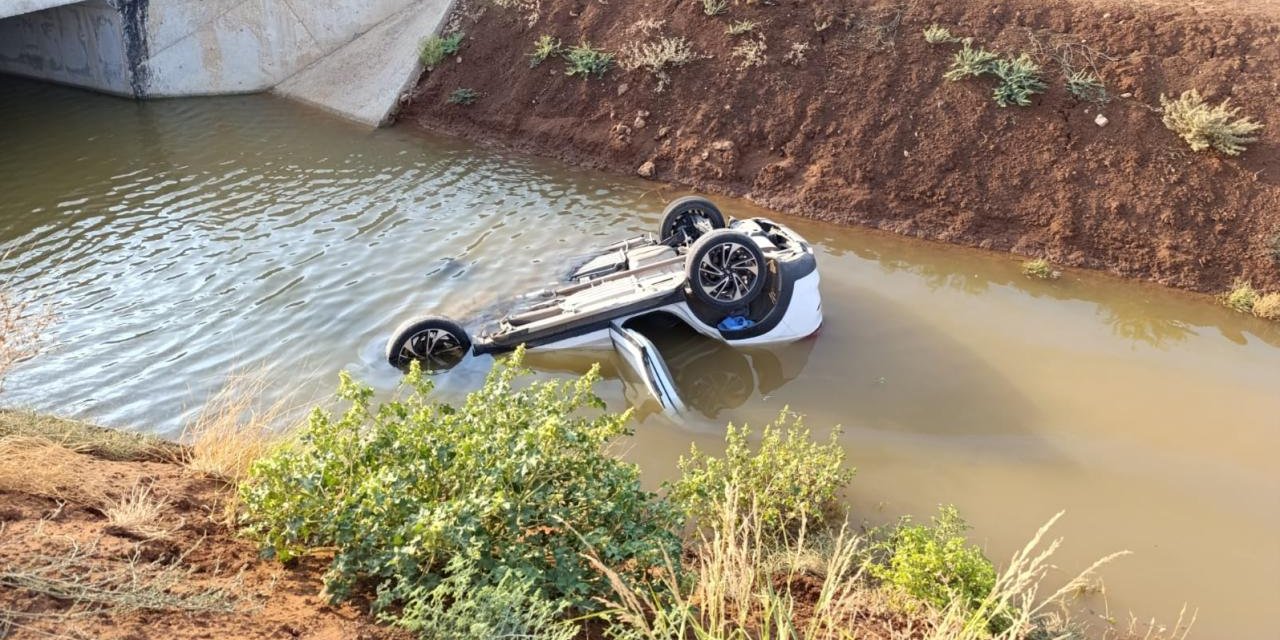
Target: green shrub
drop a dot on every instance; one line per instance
(585, 61)
(463, 96)
(1019, 80)
(435, 49)
(510, 608)
(1087, 87)
(970, 62)
(1204, 127)
(515, 481)
(936, 34)
(1019, 77)
(544, 47)
(715, 7)
(1039, 268)
(788, 478)
(935, 563)
(1241, 297)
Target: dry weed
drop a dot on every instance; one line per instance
(138, 514)
(750, 54)
(233, 429)
(798, 54)
(22, 328)
(1267, 307)
(658, 57)
(1206, 127)
(89, 583)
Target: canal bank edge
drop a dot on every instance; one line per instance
(844, 116)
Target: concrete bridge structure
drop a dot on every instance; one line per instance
(351, 57)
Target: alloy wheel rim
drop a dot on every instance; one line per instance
(437, 349)
(728, 272)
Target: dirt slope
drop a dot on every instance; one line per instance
(866, 131)
(67, 572)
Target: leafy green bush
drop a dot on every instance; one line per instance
(1086, 86)
(970, 62)
(1019, 80)
(463, 96)
(435, 49)
(788, 478)
(715, 7)
(936, 563)
(510, 608)
(515, 482)
(585, 61)
(1204, 127)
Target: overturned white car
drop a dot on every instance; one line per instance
(742, 282)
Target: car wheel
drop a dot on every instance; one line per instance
(726, 270)
(690, 218)
(438, 343)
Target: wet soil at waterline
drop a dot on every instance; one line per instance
(861, 128)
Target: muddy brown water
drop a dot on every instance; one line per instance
(181, 240)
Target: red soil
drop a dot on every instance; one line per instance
(271, 600)
(867, 132)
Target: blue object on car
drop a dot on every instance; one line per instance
(734, 323)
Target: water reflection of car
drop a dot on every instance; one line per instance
(740, 283)
(712, 376)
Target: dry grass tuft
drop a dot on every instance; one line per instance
(1267, 307)
(22, 329)
(138, 514)
(233, 430)
(1204, 127)
(40, 467)
(82, 437)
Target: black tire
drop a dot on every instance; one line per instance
(726, 270)
(438, 343)
(690, 217)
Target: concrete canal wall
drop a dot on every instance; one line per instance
(170, 48)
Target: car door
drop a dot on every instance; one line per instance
(644, 362)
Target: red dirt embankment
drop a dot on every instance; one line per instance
(70, 569)
(866, 131)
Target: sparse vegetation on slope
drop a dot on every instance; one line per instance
(435, 49)
(1205, 127)
(587, 61)
(544, 47)
(658, 57)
